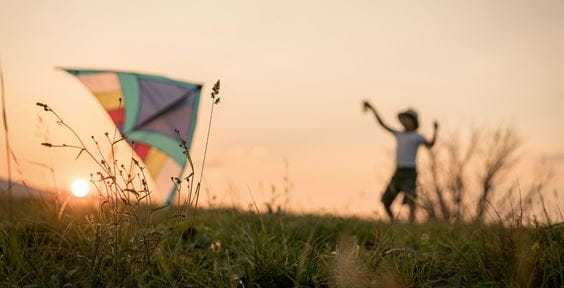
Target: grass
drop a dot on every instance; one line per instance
(127, 241)
(234, 248)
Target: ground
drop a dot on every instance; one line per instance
(235, 248)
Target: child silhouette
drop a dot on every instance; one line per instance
(405, 176)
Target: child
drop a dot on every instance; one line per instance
(405, 176)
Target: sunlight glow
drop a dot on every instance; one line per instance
(79, 188)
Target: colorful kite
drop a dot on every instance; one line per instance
(152, 107)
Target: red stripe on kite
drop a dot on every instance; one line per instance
(142, 150)
(117, 115)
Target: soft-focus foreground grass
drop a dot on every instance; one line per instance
(231, 248)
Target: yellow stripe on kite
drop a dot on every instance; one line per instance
(154, 161)
(110, 100)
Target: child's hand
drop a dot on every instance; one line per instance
(366, 105)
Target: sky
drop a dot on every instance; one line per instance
(293, 76)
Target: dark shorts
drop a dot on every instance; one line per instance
(404, 180)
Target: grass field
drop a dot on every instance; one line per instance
(234, 248)
(125, 242)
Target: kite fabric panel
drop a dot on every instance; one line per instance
(150, 109)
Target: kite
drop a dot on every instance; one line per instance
(151, 109)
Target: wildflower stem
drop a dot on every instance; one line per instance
(7, 139)
(213, 102)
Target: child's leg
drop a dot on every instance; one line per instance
(389, 212)
(412, 212)
(389, 196)
(409, 187)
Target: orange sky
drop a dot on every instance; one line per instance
(293, 75)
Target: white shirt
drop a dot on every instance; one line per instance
(406, 151)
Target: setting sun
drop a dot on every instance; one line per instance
(79, 188)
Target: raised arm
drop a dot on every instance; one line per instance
(431, 143)
(367, 106)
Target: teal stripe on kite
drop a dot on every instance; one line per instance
(172, 192)
(170, 146)
(95, 71)
(172, 81)
(83, 72)
(132, 99)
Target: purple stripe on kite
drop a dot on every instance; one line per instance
(180, 117)
(157, 97)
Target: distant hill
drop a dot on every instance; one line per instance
(20, 191)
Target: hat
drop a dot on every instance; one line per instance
(411, 114)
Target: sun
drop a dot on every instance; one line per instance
(79, 188)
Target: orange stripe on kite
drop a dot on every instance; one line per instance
(110, 100)
(154, 161)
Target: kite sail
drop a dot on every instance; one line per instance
(152, 107)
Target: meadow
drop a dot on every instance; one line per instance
(144, 247)
(124, 240)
